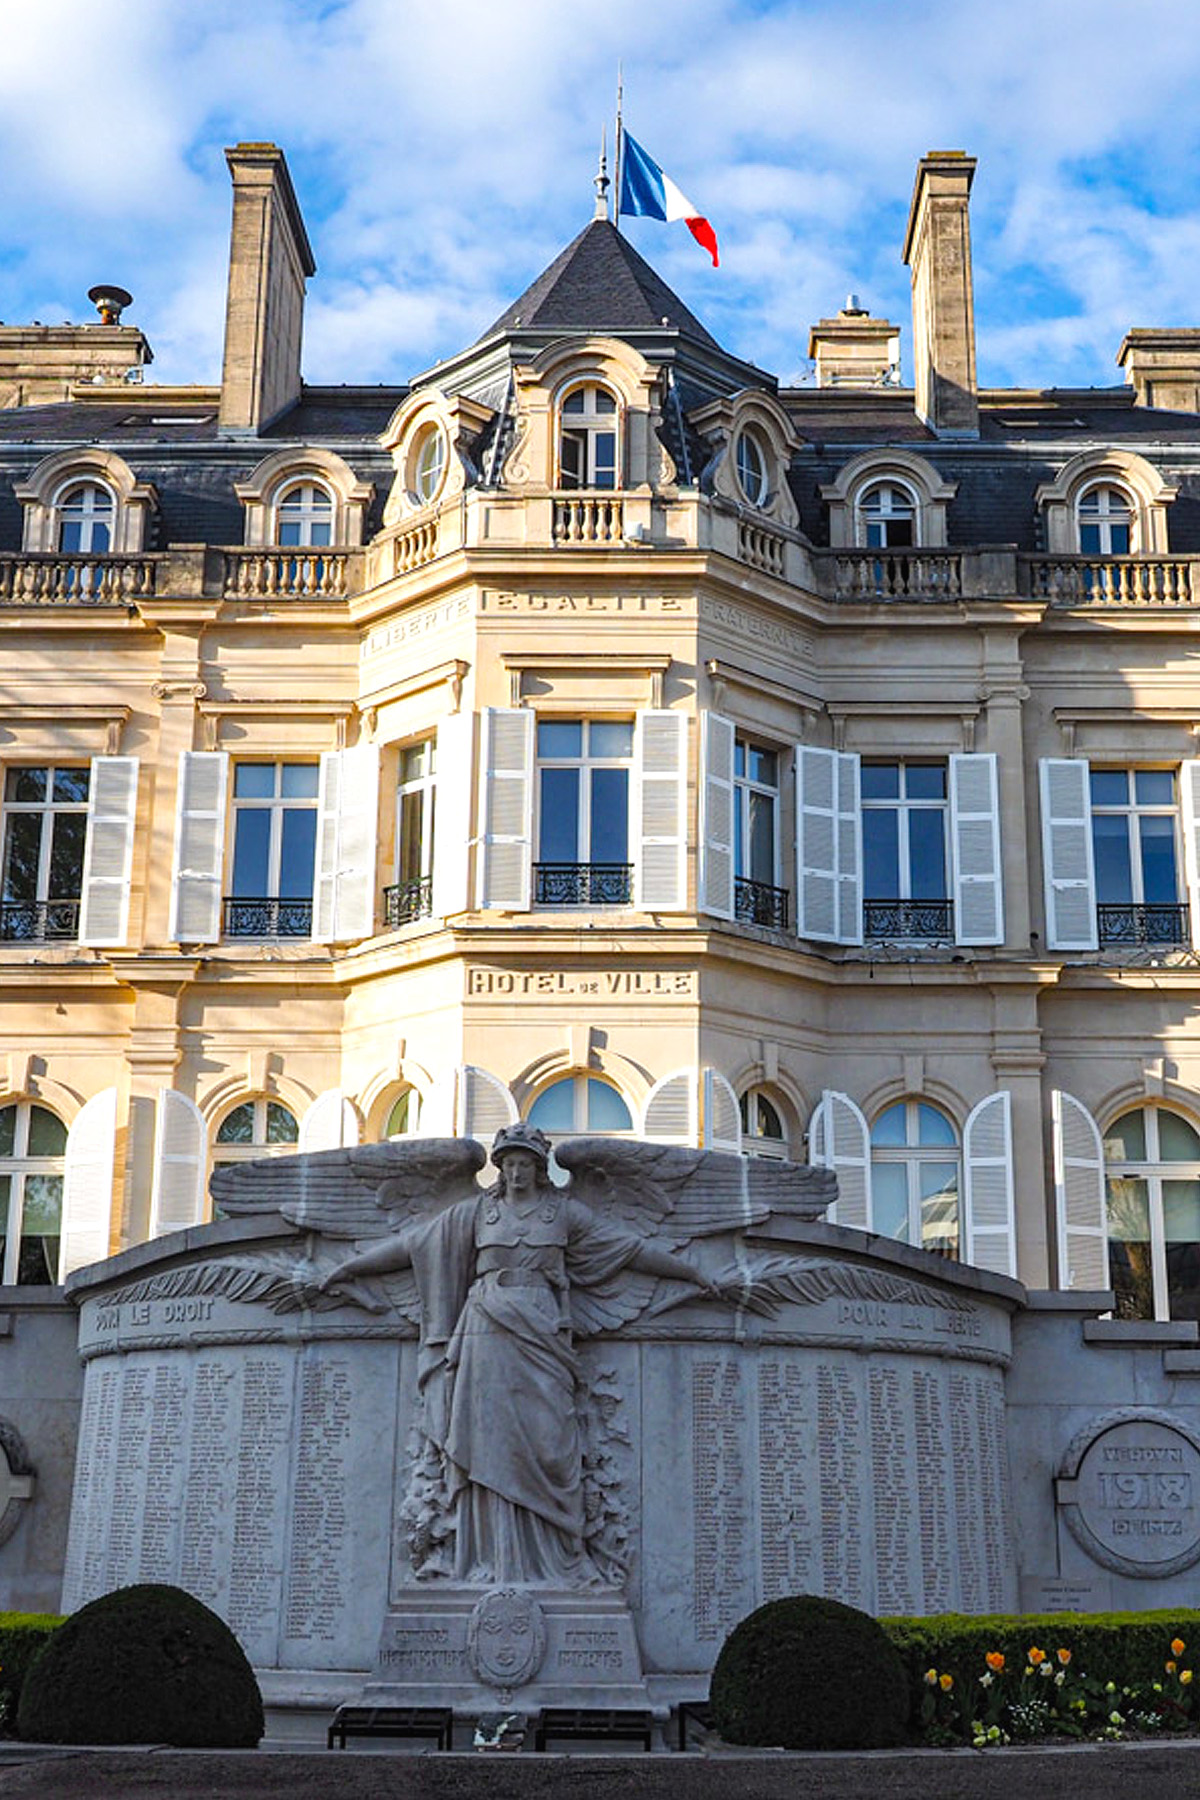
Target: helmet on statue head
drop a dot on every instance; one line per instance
(521, 1136)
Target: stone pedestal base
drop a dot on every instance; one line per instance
(484, 1649)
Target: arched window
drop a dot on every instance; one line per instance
(404, 1115)
(1152, 1163)
(915, 1176)
(32, 1145)
(578, 1104)
(587, 445)
(87, 515)
(751, 466)
(887, 516)
(259, 1127)
(304, 516)
(1105, 517)
(762, 1127)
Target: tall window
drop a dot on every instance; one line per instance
(1134, 843)
(587, 456)
(583, 812)
(758, 899)
(1105, 519)
(915, 1165)
(45, 828)
(762, 1127)
(905, 826)
(411, 895)
(32, 1143)
(887, 516)
(259, 1127)
(1152, 1159)
(304, 516)
(578, 1104)
(86, 517)
(274, 842)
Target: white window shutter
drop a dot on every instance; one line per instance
(1189, 805)
(1068, 871)
(108, 850)
(838, 1139)
(506, 808)
(660, 811)
(717, 801)
(88, 1184)
(437, 1117)
(975, 844)
(485, 1106)
(989, 1223)
(199, 847)
(451, 823)
(722, 1119)
(347, 843)
(828, 846)
(1079, 1195)
(330, 1123)
(671, 1111)
(180, 1161)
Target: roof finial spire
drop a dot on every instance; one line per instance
(601, 182)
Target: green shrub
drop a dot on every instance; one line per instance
(810, 1674)
(21, 1637)
(145, 1664)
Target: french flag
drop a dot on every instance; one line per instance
(647, 193)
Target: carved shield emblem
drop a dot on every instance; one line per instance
(506, 1638)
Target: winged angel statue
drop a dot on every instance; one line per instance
(501, 1282)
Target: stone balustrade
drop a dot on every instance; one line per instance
(286, 574)
(45, 579)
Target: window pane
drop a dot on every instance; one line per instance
(238, 1126)
(933, 1127)
(559, 737)
(881, 853)
(1154, 787)
(555, 1109)
(764, 767)
(606, 1111)
(889, 1194)
(71, 786)
(8, 1128)
(1114, 873)
(254, 781)
(299, 781)
(1110, 787)
(889, 1126)
(605, 472)
(399, 1119)
(559, 834)
(881, 781)
(573, 458)
(22, 852)
(66, 856)
(281, 1124)
(1118, 540)
(251, 853)
(47, 1135)
(602, 401)
(37, 1264)
(1130, 1271)
(1181, 1221)
(1177, 1141)
(574, 402)
(939, 1208)
(925, 781)
(413, 761)
(610, 737)
(297, 853)
(610, 816)
(25, 784)
(927, 854)
(1158, 861)
(412, 811)
(762, 838)
(1125, 1140)
(5, 1198)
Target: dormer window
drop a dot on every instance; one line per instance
(588, 439)
(887, 514)
(429, 464)
(752, 468)
(1105, 518)
(304, 516)
(86, 517)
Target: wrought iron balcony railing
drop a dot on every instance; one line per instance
(756, 903)
(38, 921)
(582, 884)
(267, 918)
(407, 901)
(909, 921)
(1133, 924)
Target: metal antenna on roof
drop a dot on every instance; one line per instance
(601, 182)
(618, 151)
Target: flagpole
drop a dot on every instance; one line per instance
(619, 152)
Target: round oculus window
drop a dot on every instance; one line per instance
(429, 463)
(751, 468)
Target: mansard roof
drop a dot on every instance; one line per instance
(599, 283)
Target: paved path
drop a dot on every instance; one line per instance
(1111, 1772)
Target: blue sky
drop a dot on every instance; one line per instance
(443, 151)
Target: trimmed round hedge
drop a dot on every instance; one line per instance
(810, 1674)
(144, 1665)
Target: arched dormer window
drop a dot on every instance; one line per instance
(303, 499)
(588, 438)
(887, 515)
(1104, 517)
(87, 513)
(86, 502)
(888, 500)
(304, 515)
(1106, 503)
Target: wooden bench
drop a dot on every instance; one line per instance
(698, 1710)
(593, 1722)
(392, 1721)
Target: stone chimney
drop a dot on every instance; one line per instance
(269, 262)
(1163, 367)
(937, 248)
(41, 364)
(854, 350)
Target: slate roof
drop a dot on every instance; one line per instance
(600, 283)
